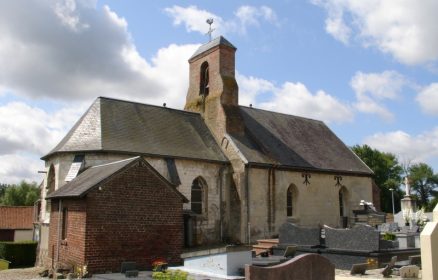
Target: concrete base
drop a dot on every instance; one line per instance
(409, 203)
(223, 262)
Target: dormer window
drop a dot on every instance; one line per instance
(204, 81)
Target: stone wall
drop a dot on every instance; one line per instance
(317, 203)
(207, 225)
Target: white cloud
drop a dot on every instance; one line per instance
(408, 29)
(373, 88)
(428, 99)
(250, 88)
(27, 129)
(250, 16)
(292, 98)
(418, 148)
(26, 134)
(70, 50)
(194, 18)
(16, 167)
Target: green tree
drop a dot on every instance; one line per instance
(2, 190)
(387, 174)
(424, 182)
(23, 194)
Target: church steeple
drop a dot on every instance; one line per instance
(212, 83)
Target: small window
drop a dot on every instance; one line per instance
(204, 79)
(64, 223)
(198, 196)
(342, 199)
(51, 179)
(290, 200)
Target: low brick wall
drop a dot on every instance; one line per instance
(303, 267)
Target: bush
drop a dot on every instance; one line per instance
(389, 236)
(20, 254)
(170, 275)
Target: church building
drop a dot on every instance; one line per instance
(231, 174)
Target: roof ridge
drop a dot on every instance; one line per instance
(115, 162)
(280, 113)
(146, 104)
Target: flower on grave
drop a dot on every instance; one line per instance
(407, 215)
(420, 218)
(159, 264)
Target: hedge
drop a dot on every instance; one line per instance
(20, 254)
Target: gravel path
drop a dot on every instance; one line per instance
(21, 274)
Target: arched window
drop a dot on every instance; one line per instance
(204, 79)
(199, 196)
(291, 197)
(342, 204)
(51, 179)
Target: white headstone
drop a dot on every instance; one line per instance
(429, 248)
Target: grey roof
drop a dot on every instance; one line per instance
(134, 128)
(291, 141)
(92, 177)
(213, 43)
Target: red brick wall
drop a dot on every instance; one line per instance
(71, 250)
(134, 217)
(16, 217)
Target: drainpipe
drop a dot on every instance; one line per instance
(58, 239)
(247, 204)
(221, 214)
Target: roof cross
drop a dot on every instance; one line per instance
(210, 30)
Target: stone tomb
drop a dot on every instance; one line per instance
(304, 267)
(359, 238)
(344, 247)
(226, 262)
(292, 234)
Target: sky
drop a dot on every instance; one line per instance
(368, 69)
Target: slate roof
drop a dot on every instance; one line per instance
(295, 142)
(94, 176)
(127, 127)
(213, 43)
(16, 217)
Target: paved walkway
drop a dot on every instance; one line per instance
(32, 274)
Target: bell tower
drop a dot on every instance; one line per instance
(213, 90)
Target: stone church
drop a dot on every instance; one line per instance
(236, 172)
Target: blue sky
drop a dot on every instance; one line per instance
(368, 69)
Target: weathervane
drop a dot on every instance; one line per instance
(210, 30)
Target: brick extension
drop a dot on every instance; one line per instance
(133, 216)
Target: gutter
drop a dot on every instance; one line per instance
(58, 243)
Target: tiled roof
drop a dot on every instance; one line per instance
(92, 177)
(16, 217)
(296, 142)
(213, 43)
(127, 127)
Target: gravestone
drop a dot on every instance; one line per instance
(359, 238)
(388, 227)
(358, 268)
(409, 271)
(302, 267)
(292, 234)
